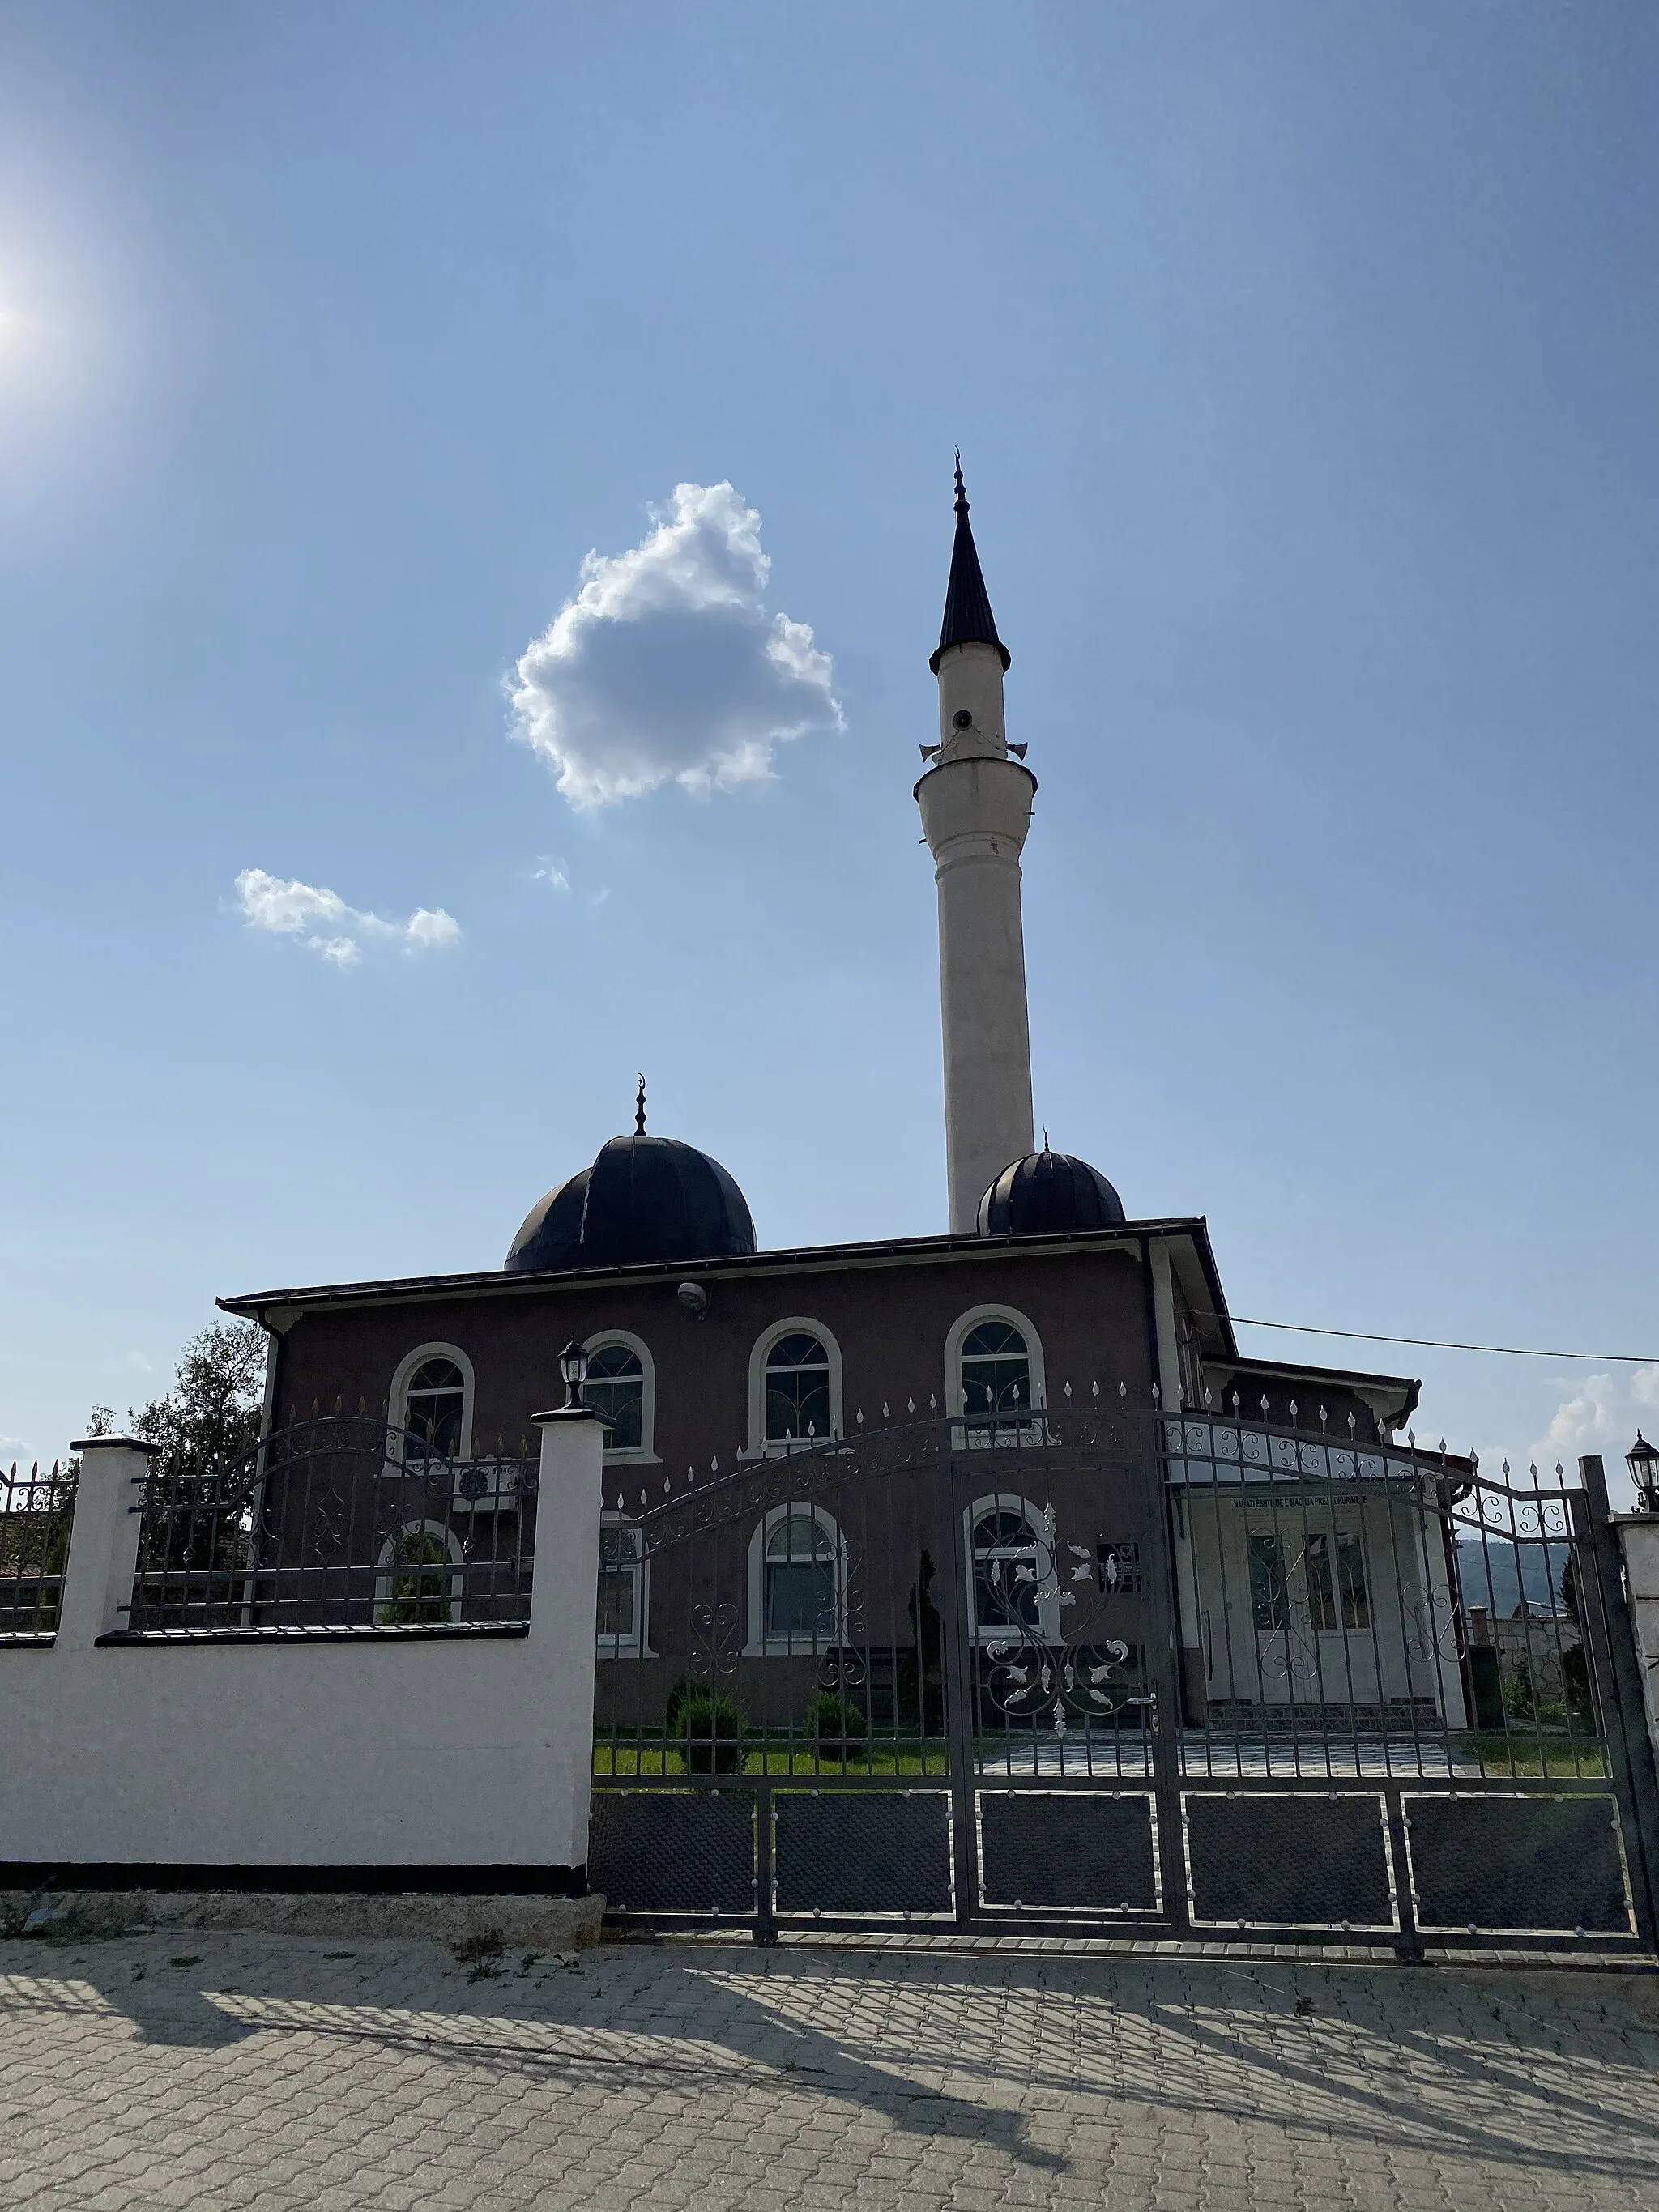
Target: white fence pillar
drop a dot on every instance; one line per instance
(1639, 1540)
(564, 1609)
(103, 1551)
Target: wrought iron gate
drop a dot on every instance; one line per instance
(1101, 1670)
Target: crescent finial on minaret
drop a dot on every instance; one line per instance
(638, 1111)
(968, 616)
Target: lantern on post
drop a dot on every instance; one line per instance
(573, 1365)
(1643, 1461)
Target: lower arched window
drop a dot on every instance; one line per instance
(420, 1577)
(797, 1582)
(621, 1619)
(1011, 1570)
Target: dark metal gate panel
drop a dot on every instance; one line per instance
(669, 1850)
(1525, 1862)
(1074, 1851)
(1101, 1669)
(863, 1852)
(1295, 1858)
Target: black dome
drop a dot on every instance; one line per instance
(1046, 1192)
(644, 1198)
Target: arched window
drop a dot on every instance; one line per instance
(432, 1395)
(623, 1589)
(1010, 1570)
(993, 1372)
(797, 1389)
(996, 1369)
(420, 1577)
(794, 1386)
(435, 1405)
(797, 1582)
(621, 1389)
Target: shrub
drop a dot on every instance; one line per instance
(708, 1728)
(1518, 1694)
(830, 1717)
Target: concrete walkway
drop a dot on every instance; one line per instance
(229, 2071)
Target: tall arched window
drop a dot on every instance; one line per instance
(996, 1369)
(432, 1395)
(621, 1389)
(794, 1386)
(797, 1582)
(797, 1389)
(435, 1405)
(993, 1372)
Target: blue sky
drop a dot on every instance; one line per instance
(1303, 360)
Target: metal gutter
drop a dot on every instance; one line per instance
(900, 1252)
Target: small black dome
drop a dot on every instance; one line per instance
(644, 1198)
(1046, 1192)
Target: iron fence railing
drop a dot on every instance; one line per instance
(338, 1523)
(36, 1513)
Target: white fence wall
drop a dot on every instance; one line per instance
(355, 1753)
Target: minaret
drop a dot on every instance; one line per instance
(975, 803)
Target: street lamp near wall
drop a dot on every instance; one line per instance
(573, 1365)
(1643, 1461)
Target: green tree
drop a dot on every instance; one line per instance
(198, 1524)
(209, 1421)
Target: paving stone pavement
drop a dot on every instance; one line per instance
(277, 2072)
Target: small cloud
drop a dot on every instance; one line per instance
(666, 667)
(553, 873)
(328, 927)
(1603, 1415)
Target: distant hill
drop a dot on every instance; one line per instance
(1499, 1574)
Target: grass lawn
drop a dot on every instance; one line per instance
(772, 1758)
(1568, 1759)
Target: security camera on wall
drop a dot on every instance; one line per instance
(693, 1300)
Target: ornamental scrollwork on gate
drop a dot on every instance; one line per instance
(1028, 1675)
(716, 1639)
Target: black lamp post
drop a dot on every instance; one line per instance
(573, 1365)
(1643, 1461)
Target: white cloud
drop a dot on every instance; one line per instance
(328, 926)
(666, 667)
(553, 874)
(1602, 1415)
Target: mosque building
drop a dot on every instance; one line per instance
(703, 1347)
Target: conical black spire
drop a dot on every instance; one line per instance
(968, 616)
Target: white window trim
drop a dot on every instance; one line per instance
(397, 1398)
(780, 1447)
(638, 1645)
(1035, 1518)
(388, 1566)
(762, 1646)
(645, 1453)
(963, 1325)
